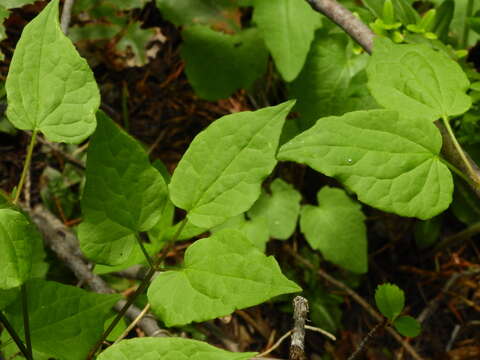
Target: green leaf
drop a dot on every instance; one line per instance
(331, 64)
(392, 163)
(4, 13)
(221, 273)
(281, 209)
(50, 88)
(136, 39)
(465, 205)
(17, 236)
(65, 321)
(217, 64)
(390, 300)
(168, 349)
(336, 228)
(459, 27)
(417, 81)
(184, 12)
(8, 296)
(443, 19)
(325, 310)
(287, 27)
(404, 12)
(427, 232)
(255, 229)
(10, 4)
(407, 326)
(221, 173)
(123, 194)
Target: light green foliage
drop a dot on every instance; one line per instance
(459, 27)
(65, 321)
(220, 174)
(417, 81)
(391, 163)
(217, 64)
(50, 88)
(407, 326)
(184, 12)
(17, 237)
(168, 349)
(390, 300)
(336, 228)
(288, 28)
(255, 229)
(404, 12)
(281, 209)
(123, 194)
(97, 7)
(331, 81)
(3, 15)
(221, 273)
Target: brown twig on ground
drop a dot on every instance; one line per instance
(359, 300)
(366, 340)
(297, 342)
(66, 15)
(362, 34)
(64, 244)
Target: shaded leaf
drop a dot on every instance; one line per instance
(407, 326)
(168, 349)
(217, 64)
(50, 88)
(184, 12)
(255, 229)
(221, 173)
(288, 27)
(65, 321)
(123, 194)
(390, 300)
(17, 236)
(336, 228)
(281, 209)
(136, 39)
(391, 163)
(221, 273)
(331, 64)
(417, 81)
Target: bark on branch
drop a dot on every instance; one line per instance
(64, 244)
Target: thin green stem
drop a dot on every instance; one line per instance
(26, 319)
(144, 251)
(26, 167)
(141, 288)
(457, 171)
(13, 334)
(460, 151)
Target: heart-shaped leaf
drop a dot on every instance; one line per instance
(50, 88)
(392, 163)
(221, 273)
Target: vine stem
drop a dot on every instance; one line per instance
(26, 167)
(23, 288)
(141, 288)
(460, 151)
(6, 324)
